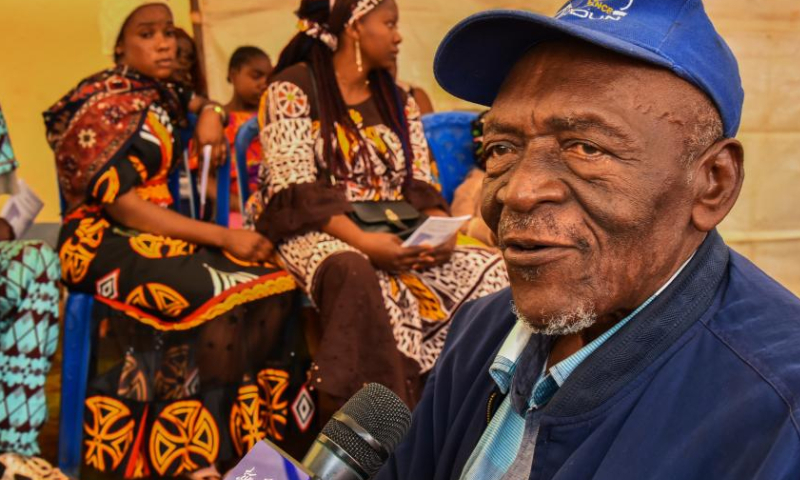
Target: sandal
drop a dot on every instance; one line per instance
(20, 467)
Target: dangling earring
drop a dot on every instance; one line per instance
(359, 64)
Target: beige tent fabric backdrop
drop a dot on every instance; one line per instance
(764, 35)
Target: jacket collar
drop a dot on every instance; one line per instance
(626, 354)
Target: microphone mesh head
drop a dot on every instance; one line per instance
(381, 413)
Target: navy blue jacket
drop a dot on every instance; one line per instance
(703, 384)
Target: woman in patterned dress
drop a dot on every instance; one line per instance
(336, 129)
(29, 296)
(248, 70)
(193, 308)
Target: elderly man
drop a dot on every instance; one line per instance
(633, 343)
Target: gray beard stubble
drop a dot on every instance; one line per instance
(579, 317)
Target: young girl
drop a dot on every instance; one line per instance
(248, 70)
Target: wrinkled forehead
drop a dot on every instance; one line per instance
(571, 75)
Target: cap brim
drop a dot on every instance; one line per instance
(477, 55)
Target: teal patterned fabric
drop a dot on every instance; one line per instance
(7, 161)
(29, 274)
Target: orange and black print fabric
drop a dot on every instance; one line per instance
(181, 331)
(164, 282)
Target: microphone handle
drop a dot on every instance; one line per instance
(329, 461)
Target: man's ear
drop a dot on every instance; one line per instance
(717, 180)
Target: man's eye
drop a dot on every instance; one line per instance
(494, 150)
(585, 149)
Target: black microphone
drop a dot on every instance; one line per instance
(358, 440)
(353, 445)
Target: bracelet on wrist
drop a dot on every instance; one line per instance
(223, 115)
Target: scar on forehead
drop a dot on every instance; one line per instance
(681, 105)
(670, 116)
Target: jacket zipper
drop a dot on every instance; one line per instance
(489, 405)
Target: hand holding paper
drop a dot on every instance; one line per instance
(435, 231)
(21, 209)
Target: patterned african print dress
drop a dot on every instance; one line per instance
(29, 295)
(297, 198)
(183, 378)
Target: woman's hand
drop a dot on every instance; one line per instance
(437, 256)
(247, 245)
(386, 251)
(6, 232)
(138, 214)
(210, 131)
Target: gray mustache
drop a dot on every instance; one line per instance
(514, 222)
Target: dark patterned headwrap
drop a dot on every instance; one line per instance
(96, 121)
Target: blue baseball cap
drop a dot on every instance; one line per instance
(477, 55)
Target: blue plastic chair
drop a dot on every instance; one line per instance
(449, 136)
(76, 352)
(224, 191)
(223, 180)
(245, 136)
(77, 344)
(174, 180)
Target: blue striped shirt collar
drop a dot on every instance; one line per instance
(505, 363)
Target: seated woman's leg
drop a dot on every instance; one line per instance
(155, 375)
(238, 344)
(200, 319)
(357, 344)
(29, 294)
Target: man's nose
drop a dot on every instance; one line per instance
(534, 181)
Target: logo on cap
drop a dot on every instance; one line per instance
(597, 10)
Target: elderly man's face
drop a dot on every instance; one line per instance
(587, 185)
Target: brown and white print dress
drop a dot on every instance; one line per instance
(295, 200)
